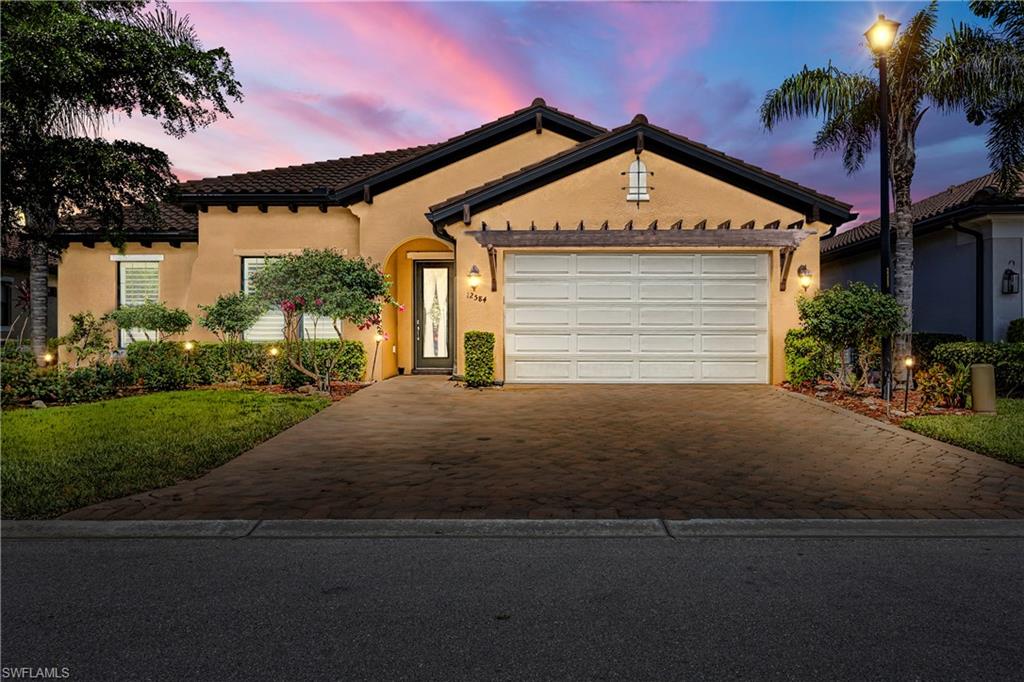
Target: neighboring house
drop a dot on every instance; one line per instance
(629, 255)
(968, 256)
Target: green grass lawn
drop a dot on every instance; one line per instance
(63, 458)
(1000, 435)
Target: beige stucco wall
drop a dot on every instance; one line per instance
(596, 194)
(382, 231)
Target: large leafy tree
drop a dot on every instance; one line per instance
(65, 70)
(971, 70)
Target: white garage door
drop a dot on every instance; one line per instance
(629, 317)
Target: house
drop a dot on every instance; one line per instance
(624, 255)
(968, 255)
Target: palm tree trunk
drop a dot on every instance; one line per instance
(903, 273)
(39, 271)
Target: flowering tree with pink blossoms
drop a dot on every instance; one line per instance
(321, 285)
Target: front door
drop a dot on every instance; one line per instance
(433, 316)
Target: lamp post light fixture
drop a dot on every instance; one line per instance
(908, 362)
(881, 37)
(474, 278)
(805, 276)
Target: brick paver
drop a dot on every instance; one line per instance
(423, 447)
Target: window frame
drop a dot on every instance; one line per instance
(123, 335)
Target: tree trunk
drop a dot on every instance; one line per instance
(39, 270)
(903, 266)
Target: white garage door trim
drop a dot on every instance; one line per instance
(598, 317)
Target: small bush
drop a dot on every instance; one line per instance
(231, 315)
(1015, 332)
(350, 366)
(23, 381)
(948, 388)
(807, 359)
(479, 347)
(89, 338)
(924, 344)
(1007, 358)
(153, 317)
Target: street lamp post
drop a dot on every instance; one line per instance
(881, 37)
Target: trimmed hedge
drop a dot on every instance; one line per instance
(807, 359)
(479, 348)
(1008, 359)
(924, 343)
(167, 366)
(1015, 332)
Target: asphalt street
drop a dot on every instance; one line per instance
(516, 608)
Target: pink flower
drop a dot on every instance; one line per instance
(401, 308)
(300, 300)
(319, 302)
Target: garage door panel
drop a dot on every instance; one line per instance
(540, 317)
(539, 343)
(668, 291)
(604, 317)
(747, 292)
(668, 343)
(532, 370)
(604, 343)
(734, 316)
(668, 317)
(681, 264)
(668, 370)
(543, 264)
(623, 318)
(599, 264)
(604, 370)
(603, 290)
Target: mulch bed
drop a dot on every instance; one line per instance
(868, 402)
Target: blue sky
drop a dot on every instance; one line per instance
(326, 80)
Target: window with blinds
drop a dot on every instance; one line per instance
(139, 282)
(270, 327)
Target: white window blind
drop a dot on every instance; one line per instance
(139, 283)
(270, 327)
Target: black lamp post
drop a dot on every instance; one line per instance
(881, 37)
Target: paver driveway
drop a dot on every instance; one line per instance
(424, 447)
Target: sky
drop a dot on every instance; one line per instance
(326, 80)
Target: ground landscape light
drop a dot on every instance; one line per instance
(188, 346)
(909, 362)
(378, 337)
(48, 357)
(882, 34)
(273, 351)
(474, 277)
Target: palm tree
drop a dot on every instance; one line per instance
(980, 73)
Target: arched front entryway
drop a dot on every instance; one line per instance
(398, 352)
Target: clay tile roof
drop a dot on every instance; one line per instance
(173, 220)
(350, 171)
(306, 177)
(638, 121)
(979, 191)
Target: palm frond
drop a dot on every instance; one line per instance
(1005, 143)
(972, 70)
(1007, 17)
(853, 131)
(815, 92)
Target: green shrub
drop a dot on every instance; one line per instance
(163, 366)
(231, 315)
(807, 359)
(855, 318)
(1007, 358)
(479, 347)
(924, 343)
(23, 381)
(151, 316)
(350, 364)
(945, 387)
(1015, 332)
(16, 372)
(216, 360)
(89, 338)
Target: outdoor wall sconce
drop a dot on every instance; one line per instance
(804, 274)
(474, 278)
(1011, 280)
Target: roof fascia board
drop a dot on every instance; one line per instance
(655, 140)
(130, 236)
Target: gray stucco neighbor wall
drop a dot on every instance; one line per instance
(944, 277)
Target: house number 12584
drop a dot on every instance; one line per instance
(476, 297)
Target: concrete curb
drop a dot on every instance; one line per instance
(513, 528)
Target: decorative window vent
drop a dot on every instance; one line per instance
(638, 189)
